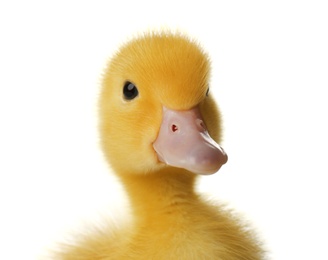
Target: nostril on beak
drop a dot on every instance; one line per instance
(174, 128)
(201, 124)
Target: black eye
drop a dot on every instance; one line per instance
(130, 91)
(208, 90)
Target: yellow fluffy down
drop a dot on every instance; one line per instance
(170, 221)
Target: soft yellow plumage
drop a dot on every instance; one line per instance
(170, 221)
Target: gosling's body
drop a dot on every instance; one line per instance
(169, 220)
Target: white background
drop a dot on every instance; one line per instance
(270, 67)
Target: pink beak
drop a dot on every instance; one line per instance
(184, 142)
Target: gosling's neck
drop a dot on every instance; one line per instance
(160, 193)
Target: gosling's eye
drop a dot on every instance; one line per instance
(207, 92)
(130, 91)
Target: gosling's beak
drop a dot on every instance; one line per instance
(184, 142)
